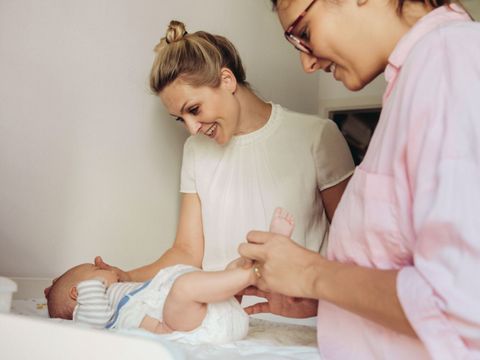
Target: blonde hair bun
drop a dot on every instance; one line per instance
(198, 58)
(175, 31)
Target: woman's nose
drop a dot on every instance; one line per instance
(193, 126)
(309, 62)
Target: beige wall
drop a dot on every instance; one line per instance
(89, 160)
(473, 7)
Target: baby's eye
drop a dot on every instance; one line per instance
(179, 119)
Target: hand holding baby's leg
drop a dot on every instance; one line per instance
(282, 224)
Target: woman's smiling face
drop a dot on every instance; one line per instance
(342, 35)
(212, 111)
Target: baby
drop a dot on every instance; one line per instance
(199, 306)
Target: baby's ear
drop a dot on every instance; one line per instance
(73, 293)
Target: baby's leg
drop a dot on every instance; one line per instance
(282, 222)
(181, 311)
(154, 325)
(186, 304)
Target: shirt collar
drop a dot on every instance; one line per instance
(432, 20)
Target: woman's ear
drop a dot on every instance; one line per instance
(73, 293)
(228, 81)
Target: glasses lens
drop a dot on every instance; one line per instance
(297, 43)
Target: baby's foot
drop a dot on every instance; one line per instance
(282, 222)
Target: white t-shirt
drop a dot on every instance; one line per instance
(285, 163)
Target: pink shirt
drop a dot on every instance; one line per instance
(414, 202)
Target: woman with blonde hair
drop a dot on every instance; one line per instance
(245, 158)
(399, 279)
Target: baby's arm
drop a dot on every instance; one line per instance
(186, 304)
(93, 306)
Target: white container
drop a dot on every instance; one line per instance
(7, 288)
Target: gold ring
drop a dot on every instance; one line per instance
(256, 270)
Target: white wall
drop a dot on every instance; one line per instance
(89, 160)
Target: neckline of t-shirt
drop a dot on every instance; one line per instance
(264, 132)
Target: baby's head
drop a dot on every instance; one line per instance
(62, 295)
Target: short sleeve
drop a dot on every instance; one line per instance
(187, 180)
(333, 160)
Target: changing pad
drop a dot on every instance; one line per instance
(265, 340)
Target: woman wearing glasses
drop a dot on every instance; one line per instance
(400, 277)
(245, 157)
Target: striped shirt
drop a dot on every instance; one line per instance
(96, 304)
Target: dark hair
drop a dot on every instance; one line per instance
(400, 3)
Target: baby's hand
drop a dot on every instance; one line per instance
(105, 280)
(241, 262)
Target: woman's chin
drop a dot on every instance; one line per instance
(353, 85)
(222, 141)
(356, 83)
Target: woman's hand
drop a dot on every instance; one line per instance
(122, 275)
(282, 265)
(287, 268)
(242, 263)
(279, 304)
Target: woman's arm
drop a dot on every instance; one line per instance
(333, 165)
(187, 249)
(295, 271)
(331, 197)
(370, 293)
(278, 304)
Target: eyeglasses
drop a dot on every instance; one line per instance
(294, 40)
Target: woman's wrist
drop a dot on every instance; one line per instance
(313, 284)
(321, 277)
(123, 276)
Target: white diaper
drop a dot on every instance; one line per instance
(225, 321)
